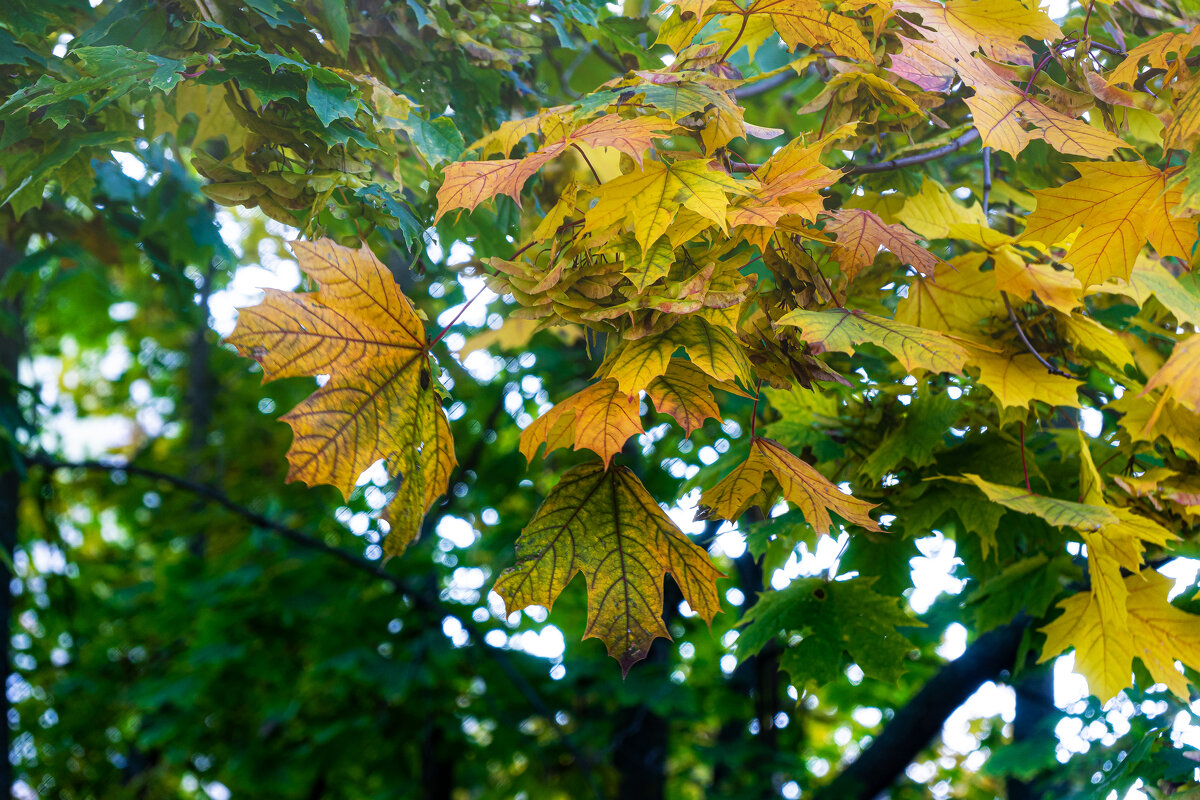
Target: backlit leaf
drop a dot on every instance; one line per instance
(604, 524)
(841, 330)
(798, 482)
(377, 404)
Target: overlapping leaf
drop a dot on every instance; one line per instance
(797, 481)
(600, 418)
(605, 524)
(1119, 205)
(842, 330)
(1152, 630)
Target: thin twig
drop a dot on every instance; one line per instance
(1024, 468)
(763, 86)
(896, 163)
(754, 410)
(1012, 315)
(987, 178)
(360, 563)
(587, 161)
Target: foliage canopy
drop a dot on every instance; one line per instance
(775, 299)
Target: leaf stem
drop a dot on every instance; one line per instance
(754, 410)
(587, 161)
(1024, 468)
(446, 328)
(736, 39)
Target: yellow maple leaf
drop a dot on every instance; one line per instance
(600, 418)
(842, 330)
(1152, 630)
(799, 483)
(1156, 51)
(1180, 376)
(861, 234)
(649, 198)
(805, 22)
(1120, 205)
(1087, 334)
(1001, 112)
(932, 211)
(956, 299)
(1016, 381)
(713, 350)
(1145, 420)
(358, 329)
(466, 184)
(605, 524)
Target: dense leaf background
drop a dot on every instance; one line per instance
(193, 626)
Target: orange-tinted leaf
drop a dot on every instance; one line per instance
(684, 392)
(601, 418)
(377, 404)
(1119, 205)
(861, 234)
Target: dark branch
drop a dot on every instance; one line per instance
(421, 598)
(1012, 315)
(895, 163)
(764, 86)
(915, 725)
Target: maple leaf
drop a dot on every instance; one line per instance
(1058, 289)
(684, 392)
(805, 22)
(1016, 381)
(358, 329)
(1150, 277)
(1063, 513)
(600, 418)
(605, 524)
(713, 350)
(1000, 111)
(932, 211)
(843, 330)
(649, 198)
(861, 234)
(1180, 376)
(466, 184)
(797, 481)
(1151, 629)
(956, 299)
(955, 31)
(837, 619)
(1120, 205)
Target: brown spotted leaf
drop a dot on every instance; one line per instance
(604, 524)
(358, 329)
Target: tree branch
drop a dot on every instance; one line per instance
(896, 163)
(420, 598)
(915, 725)
(765, 85)
(1012, 316)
